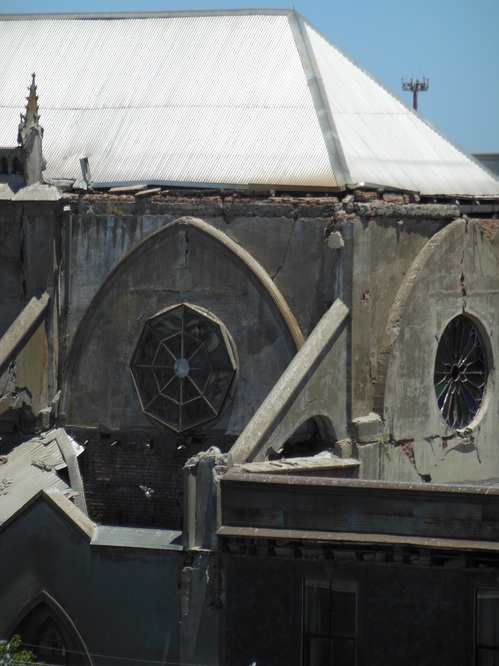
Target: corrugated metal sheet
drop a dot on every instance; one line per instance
(226, 98)
(28, 468)
(181, 99)
(384, 140)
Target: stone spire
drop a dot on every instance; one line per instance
(30, 138)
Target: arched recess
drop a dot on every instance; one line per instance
(313, 434)
(185, 261)
(396, 314)
(47, 630)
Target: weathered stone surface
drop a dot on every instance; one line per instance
(369, 456)
(368, 428)
(395, 464)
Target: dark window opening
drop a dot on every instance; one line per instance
(51, 638)
(487, 628)
(329, 623)
(50, 646)
(312, 437)
(17, 167)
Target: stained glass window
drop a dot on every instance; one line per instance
(460, 372)
(183, 366)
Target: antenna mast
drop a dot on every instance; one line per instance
(415, 87)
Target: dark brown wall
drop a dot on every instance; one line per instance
(406, 614)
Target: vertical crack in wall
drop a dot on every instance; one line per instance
(283, 261)
(186, 256)
(462, 284)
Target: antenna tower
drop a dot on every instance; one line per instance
(415, 87)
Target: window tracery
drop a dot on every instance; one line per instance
(461, 372)
(183, 366)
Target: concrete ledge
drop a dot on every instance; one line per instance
(354, 538)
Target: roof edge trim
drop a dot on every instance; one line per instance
(63, 506)
(144, 15)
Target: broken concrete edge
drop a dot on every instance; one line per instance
(37, 192)
(22, 326)
(368, 428)
(317, 463)
(266, 418)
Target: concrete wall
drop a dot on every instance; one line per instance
(111, 261)
(458, 274)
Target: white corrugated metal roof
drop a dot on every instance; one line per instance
(217, 98)
(384, 140)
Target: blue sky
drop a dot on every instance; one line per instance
(452, 42)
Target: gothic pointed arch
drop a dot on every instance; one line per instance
(47, 630)
(397, 311)
(186, 261)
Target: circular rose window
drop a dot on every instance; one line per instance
(460, 372)
(183, 366)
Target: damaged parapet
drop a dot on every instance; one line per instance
(201, 505)
(30, 139)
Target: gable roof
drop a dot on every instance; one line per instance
(233, 98)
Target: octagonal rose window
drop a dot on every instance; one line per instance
(183, 366)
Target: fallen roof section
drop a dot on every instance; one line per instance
(29, 467)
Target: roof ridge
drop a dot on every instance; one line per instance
(320, 100)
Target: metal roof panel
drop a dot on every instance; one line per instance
(28, 468)
(205, 98)
(384, 140)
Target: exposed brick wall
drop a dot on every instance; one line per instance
(114, 467)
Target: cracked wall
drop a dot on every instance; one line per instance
(458, 276)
